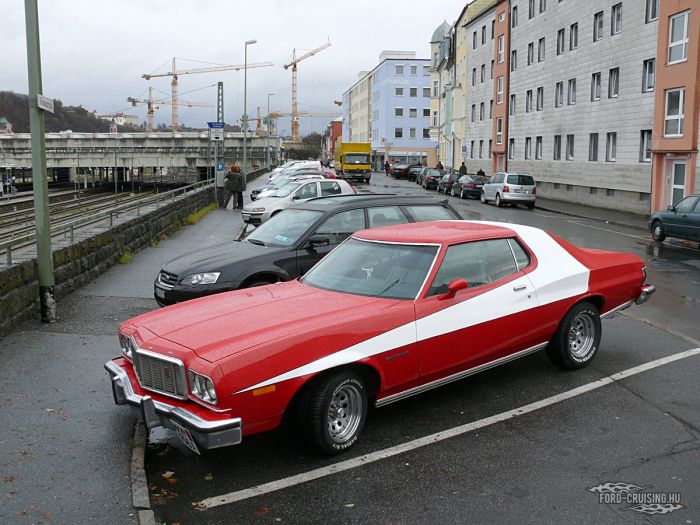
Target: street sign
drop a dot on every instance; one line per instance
(216, 134)
(220, 166)
(215, 125)
(44, 103)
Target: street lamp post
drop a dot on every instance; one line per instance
(245, 107)
(267, 142)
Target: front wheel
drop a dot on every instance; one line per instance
(657, 231)
(577, 339)
(452, 191)
(332, 413)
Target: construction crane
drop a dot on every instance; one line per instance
(274, 115)
(293, 65)
(212, 69)
(152, 106)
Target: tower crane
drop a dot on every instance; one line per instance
(212, 69)
(293, 65)
(152, 106)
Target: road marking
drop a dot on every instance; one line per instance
(608, 230)
(349, 464)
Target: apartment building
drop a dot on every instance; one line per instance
(442, 82)
(389, 106)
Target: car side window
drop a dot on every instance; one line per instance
(478, 262)
(522, 258)
(330, 188)
(307, 191)
(385, 216)
(341, 225)
(686, 205)
(430, 213)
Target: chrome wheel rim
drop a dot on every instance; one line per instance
(657, 230)
(582, 335)
(344, 413)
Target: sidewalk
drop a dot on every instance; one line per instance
(619, 218)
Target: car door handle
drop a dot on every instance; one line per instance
(520, 288)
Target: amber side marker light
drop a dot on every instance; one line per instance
(264, 390)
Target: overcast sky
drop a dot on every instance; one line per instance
(94, 51)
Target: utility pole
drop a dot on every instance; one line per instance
(267, 141)
(245, 108)
(39, 184)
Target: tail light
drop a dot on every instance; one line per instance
(534, 190)
(471, 186)
(506, 189)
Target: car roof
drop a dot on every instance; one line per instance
(373, 199)
(444, 232)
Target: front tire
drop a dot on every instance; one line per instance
(577, 339)
(332, 412)
(657, 231)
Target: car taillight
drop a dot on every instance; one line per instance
(534, 191)
(506, 189)
(471, 186)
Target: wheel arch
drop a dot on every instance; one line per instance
(264, 275)
(596, 300)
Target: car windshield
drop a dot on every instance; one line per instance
(286, 190)
(284, 229)
(373, 269)
(435, 173)
(521, 180)
(357, 158)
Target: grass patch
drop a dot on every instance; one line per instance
(126, 257)
(194, 218)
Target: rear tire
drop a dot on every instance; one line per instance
(657, 231)
(531, 205)
(499, 204)
(482, 198)
(577, 339)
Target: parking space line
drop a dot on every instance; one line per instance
(608, 230)
(349, 464)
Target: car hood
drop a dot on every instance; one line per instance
(269, 203)
(225, 324)
(215, 259)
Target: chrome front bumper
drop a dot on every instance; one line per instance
(647, 290)
(207, 434)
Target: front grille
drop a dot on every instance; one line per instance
(160, 374)
(168, 280)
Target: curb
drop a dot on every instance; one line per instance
(139, 484)
(599, 219)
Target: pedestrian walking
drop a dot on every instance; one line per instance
(386, 168)
(463, 169)
(235, 185)
(439, 165)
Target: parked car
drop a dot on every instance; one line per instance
(389, 313)
(510, 188)
(430, 178)
(298, 165)
(278, 182)
(445, 183)
(413, 172)
(262, 209)
(283, 167)
(288, 244)
(468, 186)
(399, 171)
(681, 220)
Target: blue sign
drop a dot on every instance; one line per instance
(215, 125)
(220, 166)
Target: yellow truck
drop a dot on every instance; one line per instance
(352, 161)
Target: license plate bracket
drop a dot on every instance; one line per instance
(186, 437)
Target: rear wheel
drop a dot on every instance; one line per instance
(657, 231)
(577, 339)
(452, 191)
(482, 198)
(498, 200)
(530, 205)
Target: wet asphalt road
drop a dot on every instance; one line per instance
(534, 468)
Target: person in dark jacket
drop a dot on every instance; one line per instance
(439, 166)
(386, 168)
(235, 185)
(480, 173)
(463, 169)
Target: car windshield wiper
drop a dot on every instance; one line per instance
(388, 287)
(256, 241)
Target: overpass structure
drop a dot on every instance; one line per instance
(77, 157)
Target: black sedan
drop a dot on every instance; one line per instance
(399, 171)
(430, 178)
(446, 182)
(468, 186)
(414, 171)
(289, 244)
(681, 220)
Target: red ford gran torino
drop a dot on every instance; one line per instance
(391, 312)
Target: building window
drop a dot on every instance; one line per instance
(481, 111)
(492, 70)
(490, 144)
(611, 147)
(538, 148)
(501, 48)
(426, 71)
(593, 190)
(593, 147)
(540, 98)
(573, 36)
(426, 133)
(559, 94)
(399, 91)
(674, 115)
(474, 76)
(514, 17)
(614, 82)
(531, 9)
(474, 40)
(561, 41)
(556, 155)
(511, 148)
(398, 69)
(616, 19)
(491, 108)
(597, 26)
(426, 92)
(412, 133)
(652, 12)
(426, 112)
(513, 60)
(471, 149)
(649, 75)
(435, 119)
(678, 38)
(571, 100)
(610, 193)
(398, 133)
(412, 92)
(530, 53)
(483, 35)
(436, 88)
(595, 87)
(483, 73)
(528, 101)
(499, 131)
(645, 146)
(499, 91)
(569, 147)
(543, 6)
(473, 112)
(528, 148)
(493, 25)
(414, 70)
(511, 107)
(540, 50)
(556, 184)
(398, 112)
(412, 112)
(481, 148)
